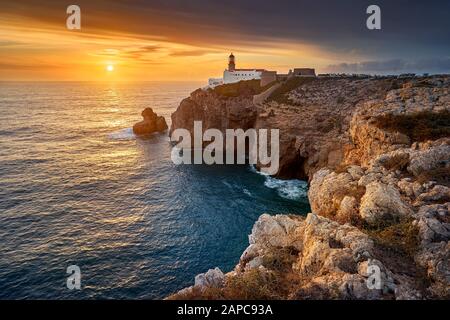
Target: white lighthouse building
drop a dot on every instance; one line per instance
(232, 75)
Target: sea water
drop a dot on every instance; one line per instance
(78, 188)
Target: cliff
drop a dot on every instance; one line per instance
(376, 153)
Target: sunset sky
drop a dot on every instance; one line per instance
(190, 40)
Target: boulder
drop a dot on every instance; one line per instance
(437, 194)
(151, 123)
(348, 208)
(428, 159)
(328, 189)
(213, 278)
(274, 231)
(382, 201)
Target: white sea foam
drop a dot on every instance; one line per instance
(227, 184)
(253, 169)
(289, 189)
(124, 134)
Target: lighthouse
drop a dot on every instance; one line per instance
(231, 64)
(233, 75)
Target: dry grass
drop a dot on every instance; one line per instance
(397, 162)
(401, 237)
(280, 94)
(281, 259)
(421, 126)
(241, 88)
(254, 285)
(277, 281)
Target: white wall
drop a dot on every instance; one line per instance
(236, 76)
(213, 82)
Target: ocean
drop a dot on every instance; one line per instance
(78, 188)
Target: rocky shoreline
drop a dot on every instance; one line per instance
(376, 153)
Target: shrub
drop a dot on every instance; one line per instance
(402, 237)
(421, 126)
(276, 281)
(253, 285)
(280, 259)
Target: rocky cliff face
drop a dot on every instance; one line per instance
(215, 112)
(377, 155)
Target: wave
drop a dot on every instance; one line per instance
(124, 134)
(289, 189)
(254, 170)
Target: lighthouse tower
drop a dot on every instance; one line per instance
(231, 65)
(233, 75)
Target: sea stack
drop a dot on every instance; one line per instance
(151, 123)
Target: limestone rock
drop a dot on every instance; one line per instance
(355, 171)
(398, 157)
(406, 187)
(214, 111)
(437, 194)
(429, 159)
(254, 263)
(434, 254)
(328, 189)
(212, 278)
(348, 208)
(382, 202)
(273, 231)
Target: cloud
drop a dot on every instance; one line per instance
(8, 43)
(150, 48)
(135, 53)
(436, 65)
(334, 25)
(27, 67)
(189, 53)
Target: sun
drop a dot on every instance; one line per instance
(110, 68)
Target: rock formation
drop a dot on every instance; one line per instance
(215, 112)
(377, 155)
(151, 123)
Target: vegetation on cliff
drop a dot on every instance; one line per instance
(241, 88)
(421, 126)
(280, 94)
